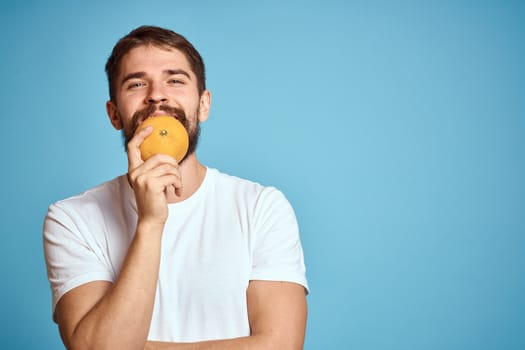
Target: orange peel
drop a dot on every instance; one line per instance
(169, 137)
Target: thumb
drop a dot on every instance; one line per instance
(134, 156)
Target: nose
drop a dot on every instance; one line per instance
(155, 94)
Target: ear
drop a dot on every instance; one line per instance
(113, 115)
(204, 105)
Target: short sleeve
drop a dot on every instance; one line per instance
(73, 257)
(277, 253)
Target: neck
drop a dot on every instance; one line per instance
(192, 173)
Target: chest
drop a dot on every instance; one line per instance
(203, 251)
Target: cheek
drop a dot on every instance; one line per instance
(128, 103)
(126, 123)
(126, 109)
(193, 118)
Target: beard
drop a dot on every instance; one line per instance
(128, 131)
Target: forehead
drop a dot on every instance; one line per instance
(152, 59)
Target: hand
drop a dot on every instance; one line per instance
(152, 180)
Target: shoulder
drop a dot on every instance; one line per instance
(96, 199)
(244, 187)
(260, 198)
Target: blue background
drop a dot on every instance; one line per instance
(396, 129)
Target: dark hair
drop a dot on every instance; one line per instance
(160, 37)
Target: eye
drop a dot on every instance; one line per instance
(175, 81)
(135, 85)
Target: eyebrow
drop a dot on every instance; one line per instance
(177, 71)
(137, 75)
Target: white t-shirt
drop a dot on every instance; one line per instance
(229, 232)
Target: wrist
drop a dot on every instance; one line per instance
(150, 227)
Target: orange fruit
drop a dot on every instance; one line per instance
(169, 136)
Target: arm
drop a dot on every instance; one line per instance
(101, 315)
(277, 315)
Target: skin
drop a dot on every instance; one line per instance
(103, 315)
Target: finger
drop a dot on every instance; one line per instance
(152, 163)
(164, 183)
(174, 190)
(165, 171)
(159, 159)
(162, 170)
(134, 157)
(178, 190)
(155, 166)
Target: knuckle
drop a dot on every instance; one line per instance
(132, 176)
(169, 168)
(141, 180)
(167, 159)
(131, 145)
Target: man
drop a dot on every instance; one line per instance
(172, 255)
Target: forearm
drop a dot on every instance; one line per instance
(277, 315)
(121, 319)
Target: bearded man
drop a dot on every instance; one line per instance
(173, 255)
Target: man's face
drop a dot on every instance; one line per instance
(157, 81)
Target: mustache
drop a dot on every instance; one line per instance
(143, 114)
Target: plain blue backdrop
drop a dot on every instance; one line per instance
(395, 128)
